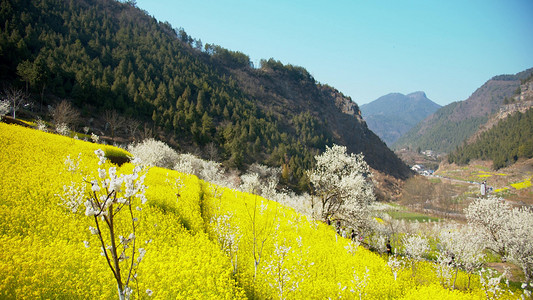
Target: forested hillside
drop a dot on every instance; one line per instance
(511, 139)
(105, 56)
(448, 127)
(507, 137)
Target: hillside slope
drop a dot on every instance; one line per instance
(448, 127)
(192, 242)
(105, 55)
(392, 115)
(506, 137)
(520, 102)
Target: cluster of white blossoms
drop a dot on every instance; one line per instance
(491, 283)
(205, 169)
(461, 247)
(4, 107)
(415, 246)
(250, 183)
(95, 138)
(72, 196)
(110, 188)
(228, 234)
(41, 125)
(359, 283)
(63, 129)
(72, 165)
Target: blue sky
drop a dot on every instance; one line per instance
(367, 48)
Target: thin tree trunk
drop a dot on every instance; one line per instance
(455, 277)
(114, 254)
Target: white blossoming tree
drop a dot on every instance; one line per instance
(280, 272)
(507, 231)
(415, 248)
(4, 108)
(154, 153)
(520, 242)
(228, 236)
(489, 216)
(250, 183)
(41, 125)
(395, 264)
(95, 138)
(207, 170)
(462, 248)
(264, 224)
(112, 201)
(63, 129)
(342, 185)
(359, 283)
(491, 283)
(268, 179)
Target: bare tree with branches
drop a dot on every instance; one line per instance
(114, 121)
(147, 132)
(16, 99)
(132, 127)
(65, 113)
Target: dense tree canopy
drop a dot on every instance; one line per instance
(511, 139)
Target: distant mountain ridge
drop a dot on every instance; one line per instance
(392, 115)
(447, 128)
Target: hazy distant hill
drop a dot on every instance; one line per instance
(106, 55)
(452, 124)
(394, 114)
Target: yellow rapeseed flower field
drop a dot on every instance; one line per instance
(42, 243)
(202, 241)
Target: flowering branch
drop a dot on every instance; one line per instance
(109, 194)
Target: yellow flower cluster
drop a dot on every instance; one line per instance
(202, 241)
(501, 190)
(522, 185)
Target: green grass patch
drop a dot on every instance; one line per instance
(81, 136)
(411, 216)
(116, 155)
(434, 180)
(480, 167)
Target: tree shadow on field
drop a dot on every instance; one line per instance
(170, 210)
(118, 160)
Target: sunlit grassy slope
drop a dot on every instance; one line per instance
(208, 242)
